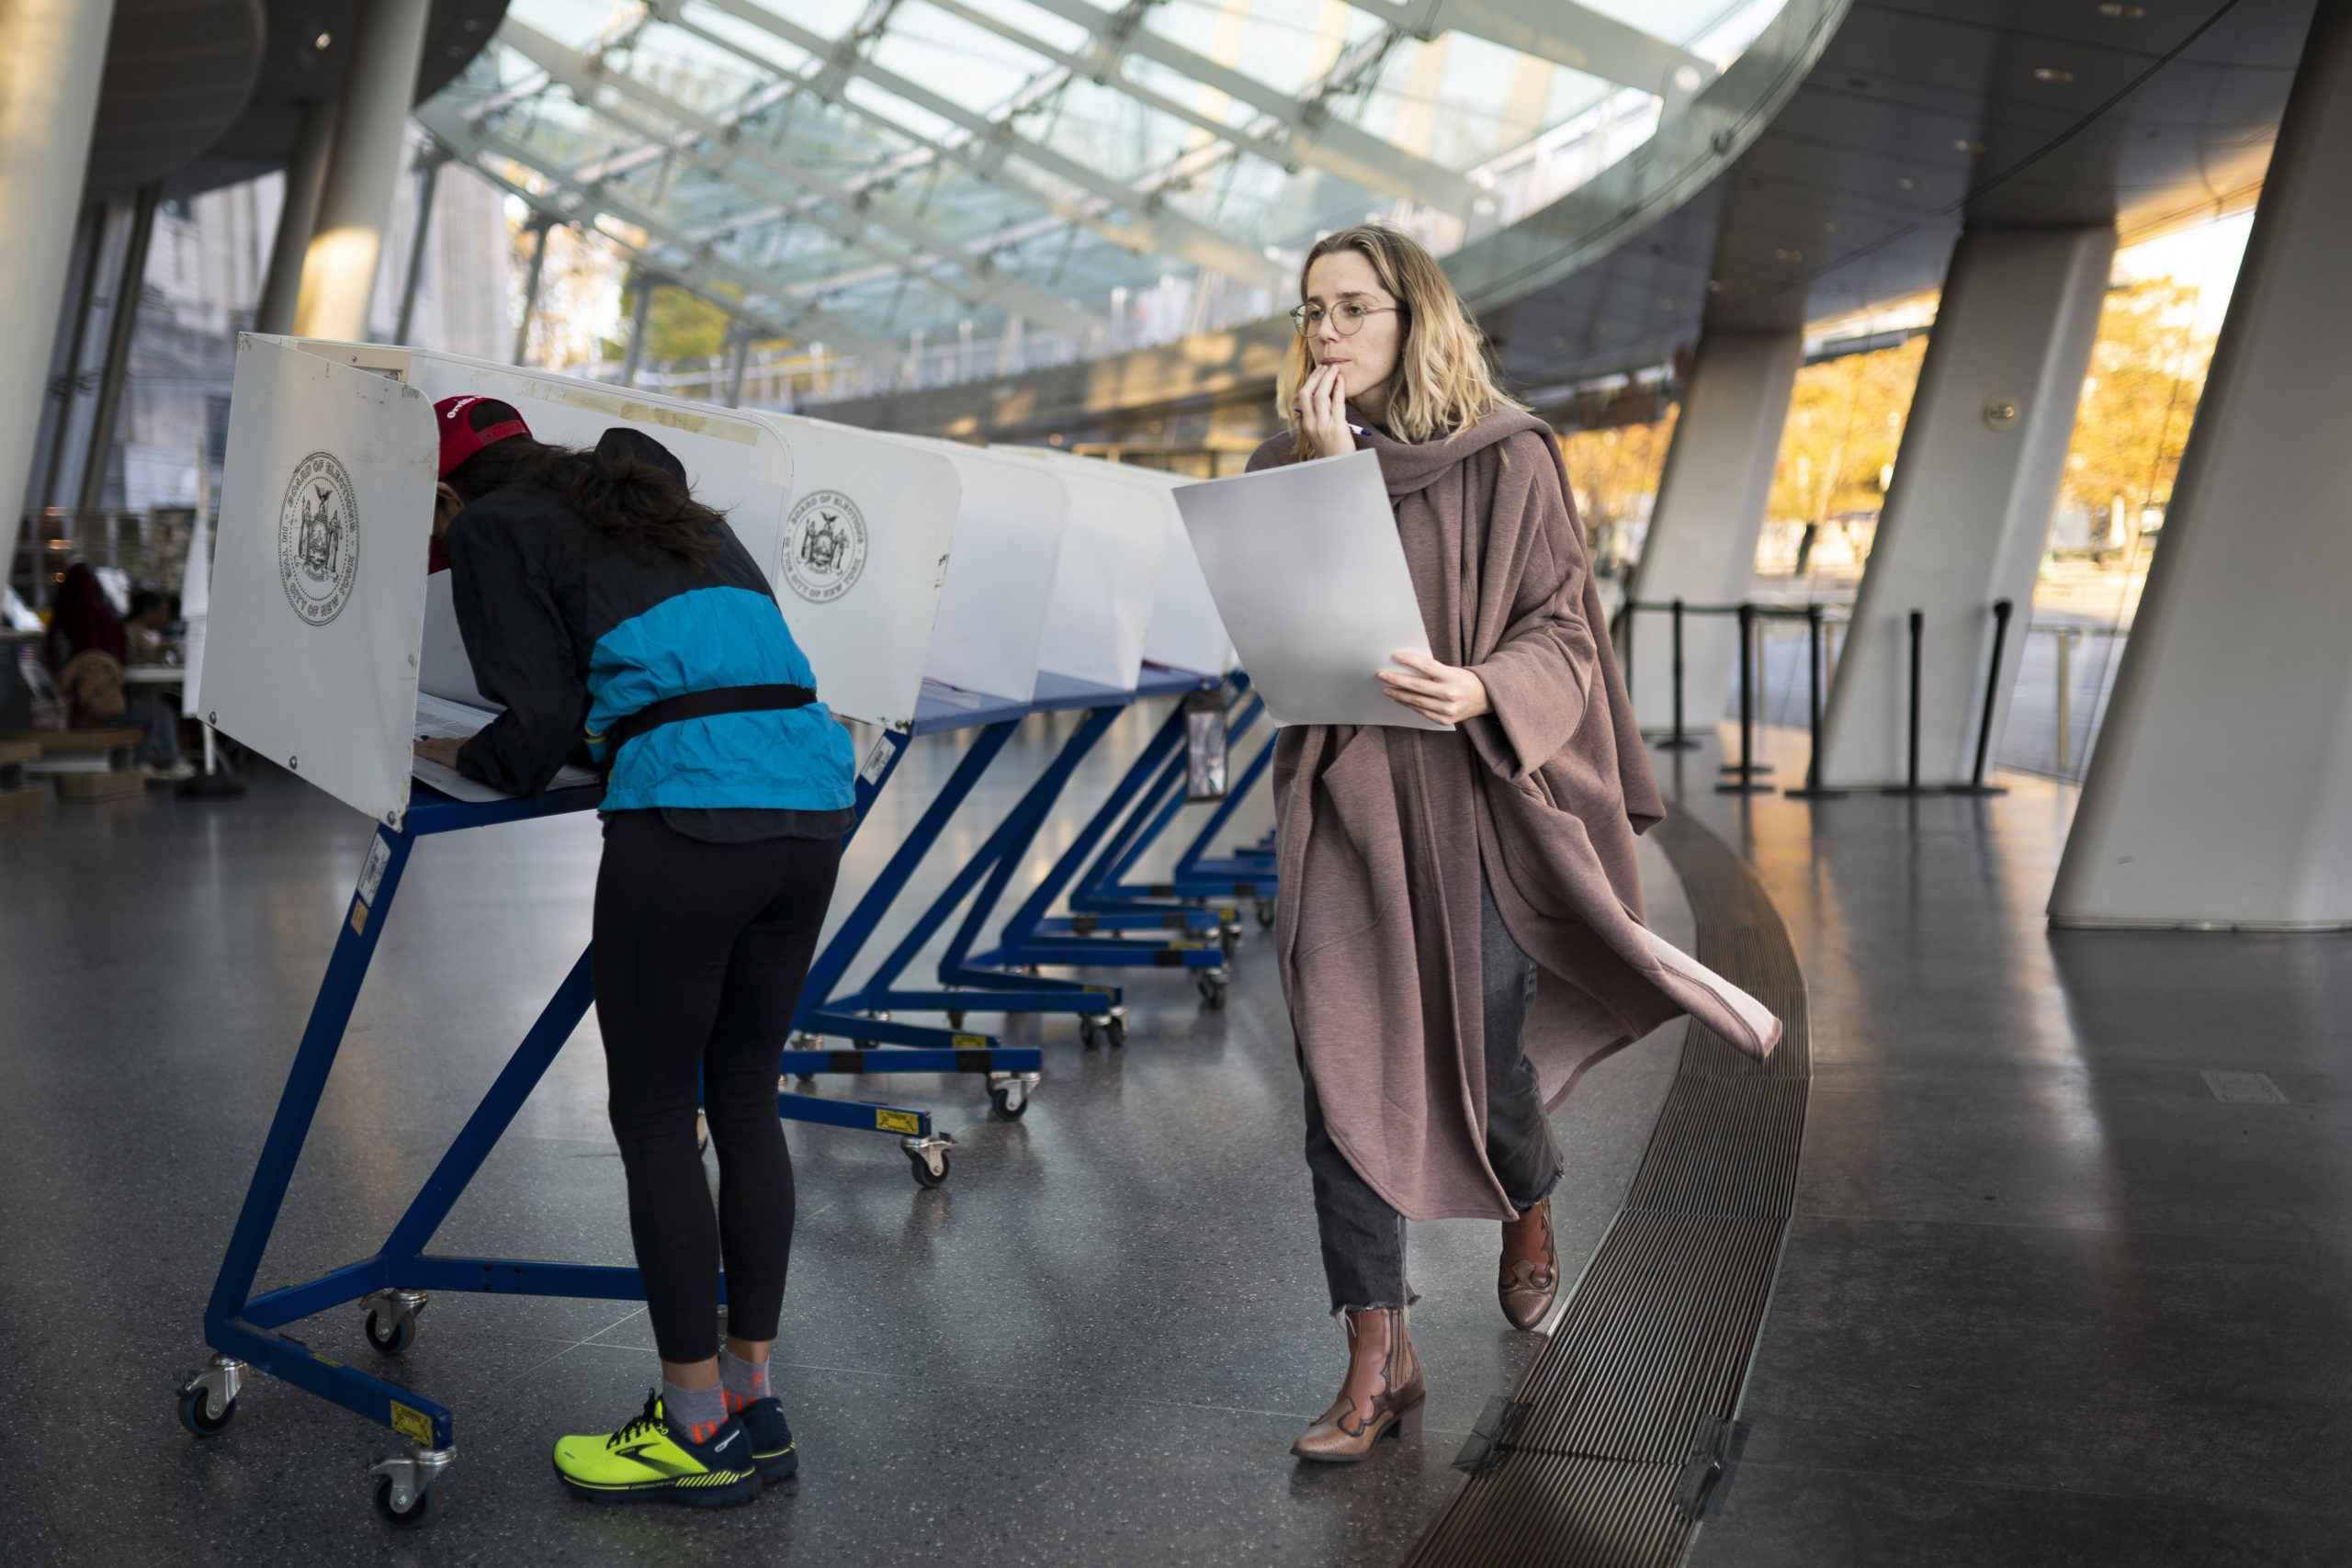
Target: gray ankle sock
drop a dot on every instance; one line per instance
(692, 1407)
(743, 1380)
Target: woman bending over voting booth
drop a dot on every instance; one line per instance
(1460, 932)
(621, 623)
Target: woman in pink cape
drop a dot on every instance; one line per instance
(1460, 932)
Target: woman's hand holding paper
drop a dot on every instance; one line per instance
(444, 751)
(1441, 691)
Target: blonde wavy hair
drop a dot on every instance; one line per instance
(1442, 384)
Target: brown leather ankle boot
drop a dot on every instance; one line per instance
(1383, 1392)
(1529, 1274)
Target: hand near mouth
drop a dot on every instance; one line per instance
(1323, 410)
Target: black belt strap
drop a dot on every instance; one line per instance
(700, 705)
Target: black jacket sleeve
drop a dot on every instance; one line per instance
(521, 651)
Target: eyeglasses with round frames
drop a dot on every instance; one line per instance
(1347, 318)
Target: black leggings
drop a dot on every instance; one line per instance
(700, 952)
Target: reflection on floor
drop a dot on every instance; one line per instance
(1093, 1346)
(2048, 1298)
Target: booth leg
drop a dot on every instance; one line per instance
(321, 1039)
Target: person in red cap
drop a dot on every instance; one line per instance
(621, 622)
(468, 425)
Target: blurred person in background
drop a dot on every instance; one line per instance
(154, 709)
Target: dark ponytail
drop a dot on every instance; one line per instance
(630, 490)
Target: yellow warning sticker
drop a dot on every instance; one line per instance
(971, 1042)
(905, 1122)
(411, 1424)
(358, 918)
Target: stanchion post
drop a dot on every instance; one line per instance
(2002, 609)
(1679, 740)
(1911, 776)
(1811, 789)
(1751, 679)
(1746, 770)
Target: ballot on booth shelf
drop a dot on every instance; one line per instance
(330, 651)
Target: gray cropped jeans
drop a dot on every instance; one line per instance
(1363, 1238)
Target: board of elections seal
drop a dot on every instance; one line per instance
(318, 538)
(824, 546)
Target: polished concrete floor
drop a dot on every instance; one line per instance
(2047, 1298)
(1092, 1345)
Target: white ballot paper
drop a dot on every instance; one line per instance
(1308, 572)
(438, 719)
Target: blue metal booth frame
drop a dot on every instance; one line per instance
(244, 1329)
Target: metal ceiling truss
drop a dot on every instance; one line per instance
(1558, 30)
(713, 146)
(1315, 136)
(989, 143)
(683, 262)
(1290, 132)
(983, 161)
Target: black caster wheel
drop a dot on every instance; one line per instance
(1265, 914)
(1115, 1033)
(195, 1404)
(1008, 1102)
(1228, 941)
(419, 1509)
(924, 1175)
(392, 1338)
(1212, 991)
(1089, 1033)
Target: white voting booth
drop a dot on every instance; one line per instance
(1186, 632)
(993, 607)
(318, 642)
(1107, 575)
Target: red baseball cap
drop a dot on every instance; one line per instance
(460, 440)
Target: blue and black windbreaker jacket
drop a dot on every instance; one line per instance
(571, 633)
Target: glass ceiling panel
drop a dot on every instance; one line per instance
(887, 174)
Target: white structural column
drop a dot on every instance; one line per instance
(52, 54)
(355, 207)
(298, 217)
(1968, 516)
(2221, 791)
(1701, 546)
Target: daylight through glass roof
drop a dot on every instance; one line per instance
(897, 177)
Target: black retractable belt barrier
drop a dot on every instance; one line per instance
(1912, 784)
(1746, 768)
(1977, 784)
(1679, 740)
(1811, 789)
(1751, 679)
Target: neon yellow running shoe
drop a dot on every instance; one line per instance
(652, 1460)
